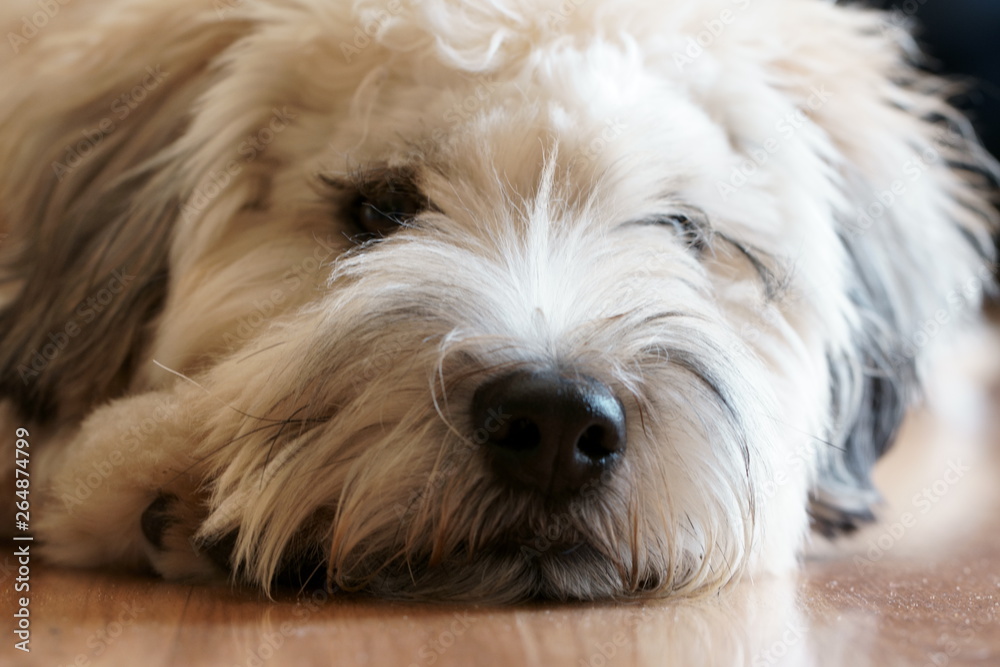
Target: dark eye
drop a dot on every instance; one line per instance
(385, 209)
(691, 227)
(376, 202)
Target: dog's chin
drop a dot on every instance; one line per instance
(552, 550)
(502, 574)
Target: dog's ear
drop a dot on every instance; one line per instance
(89, 194)
(828, 99)
(914, 221)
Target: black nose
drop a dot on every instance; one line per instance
(549, 431)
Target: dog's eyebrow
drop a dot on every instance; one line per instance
(367, 179)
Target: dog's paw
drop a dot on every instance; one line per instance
(169, 525)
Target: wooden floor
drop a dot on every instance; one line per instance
(922, 588)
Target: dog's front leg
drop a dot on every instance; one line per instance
(125, 489)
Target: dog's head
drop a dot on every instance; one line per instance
(492, 300)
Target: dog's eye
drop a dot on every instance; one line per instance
(691, 227)
(382, 212)
(375, 203)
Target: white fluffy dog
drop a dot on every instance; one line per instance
(469, 300)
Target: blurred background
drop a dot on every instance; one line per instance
(963, 39)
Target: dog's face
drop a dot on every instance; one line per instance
(494, 303)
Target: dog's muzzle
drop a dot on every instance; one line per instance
(549, 432)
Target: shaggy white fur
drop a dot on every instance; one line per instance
(738, 216)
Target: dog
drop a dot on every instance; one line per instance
(488, 301)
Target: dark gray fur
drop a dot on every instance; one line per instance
(73, 229)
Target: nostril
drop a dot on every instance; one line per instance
(520, 435)
(592, 443)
